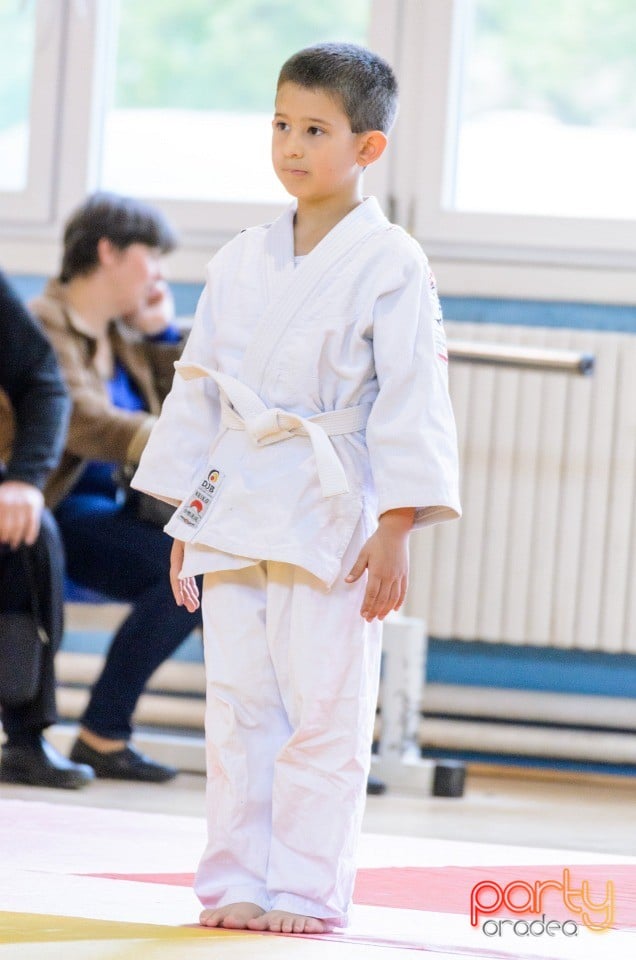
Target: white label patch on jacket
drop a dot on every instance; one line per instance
(197, 506)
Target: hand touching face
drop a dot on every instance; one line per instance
(139, 292)
(156, 312)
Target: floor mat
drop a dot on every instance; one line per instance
(80, 882)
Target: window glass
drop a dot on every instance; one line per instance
(17, 29)
(194, 92)
(547, 118)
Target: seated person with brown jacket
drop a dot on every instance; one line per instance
(110, 319)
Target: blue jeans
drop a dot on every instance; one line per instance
(110, 550)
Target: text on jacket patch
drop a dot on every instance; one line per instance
(200, 501)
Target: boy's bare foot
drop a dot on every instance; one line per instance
(280, 921)
(234, 916)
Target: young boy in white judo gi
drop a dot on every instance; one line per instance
(308, 430)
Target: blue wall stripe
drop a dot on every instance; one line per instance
(530, 313)
(476, 663)
(520, 760)
(536, 313)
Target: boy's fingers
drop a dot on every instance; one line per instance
(357, 569)
(188, 603)
(382, 599)
(402, 595)
(193, 594)
(175, 584)
(372, 594)
(191, 604)
(189, 593)
(391, 600)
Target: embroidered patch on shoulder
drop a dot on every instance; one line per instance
(440, 343)
(437, 307)
(198, 505)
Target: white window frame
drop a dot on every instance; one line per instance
(33, 204)
(432, 76)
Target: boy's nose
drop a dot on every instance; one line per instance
(293, 146)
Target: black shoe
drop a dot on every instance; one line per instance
(38, 764)
(126, 764)
(375, 786)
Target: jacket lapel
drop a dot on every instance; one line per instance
(288, 288)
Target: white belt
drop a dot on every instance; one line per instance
(243, 409)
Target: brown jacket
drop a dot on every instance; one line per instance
(99, 430)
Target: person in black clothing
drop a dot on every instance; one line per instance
(33, 420)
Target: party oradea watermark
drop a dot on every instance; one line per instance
(491, 905)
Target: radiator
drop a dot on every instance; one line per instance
(545, 552)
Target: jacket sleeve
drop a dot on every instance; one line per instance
(30, 378)
(411, 433)
(98, 429)
(180, 441)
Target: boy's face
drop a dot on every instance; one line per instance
(315, 154)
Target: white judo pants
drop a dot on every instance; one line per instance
(292, 683)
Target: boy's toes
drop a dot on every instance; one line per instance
(281, 921)
(234, 916)
(312, 925)
(209, 918)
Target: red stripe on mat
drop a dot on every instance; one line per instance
(448, 889)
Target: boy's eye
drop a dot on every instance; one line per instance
(315, 131)
(280, 125)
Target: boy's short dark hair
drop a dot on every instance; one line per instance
(361, 80)
(122, 220)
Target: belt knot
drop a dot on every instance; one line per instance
(266, 427)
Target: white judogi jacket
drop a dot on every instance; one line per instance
(262, 439)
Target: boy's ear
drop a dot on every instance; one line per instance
(372, 146)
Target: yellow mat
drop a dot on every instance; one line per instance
(44, 928)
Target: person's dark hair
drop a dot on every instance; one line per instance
(359, 79)
(122, 220)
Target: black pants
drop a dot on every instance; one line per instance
(47, 559)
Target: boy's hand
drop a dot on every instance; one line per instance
(386, 557)
(186, 591)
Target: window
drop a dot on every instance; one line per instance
(28, 91)
(17, 28)
(547, 114)
(190, 118)
(524, 132)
